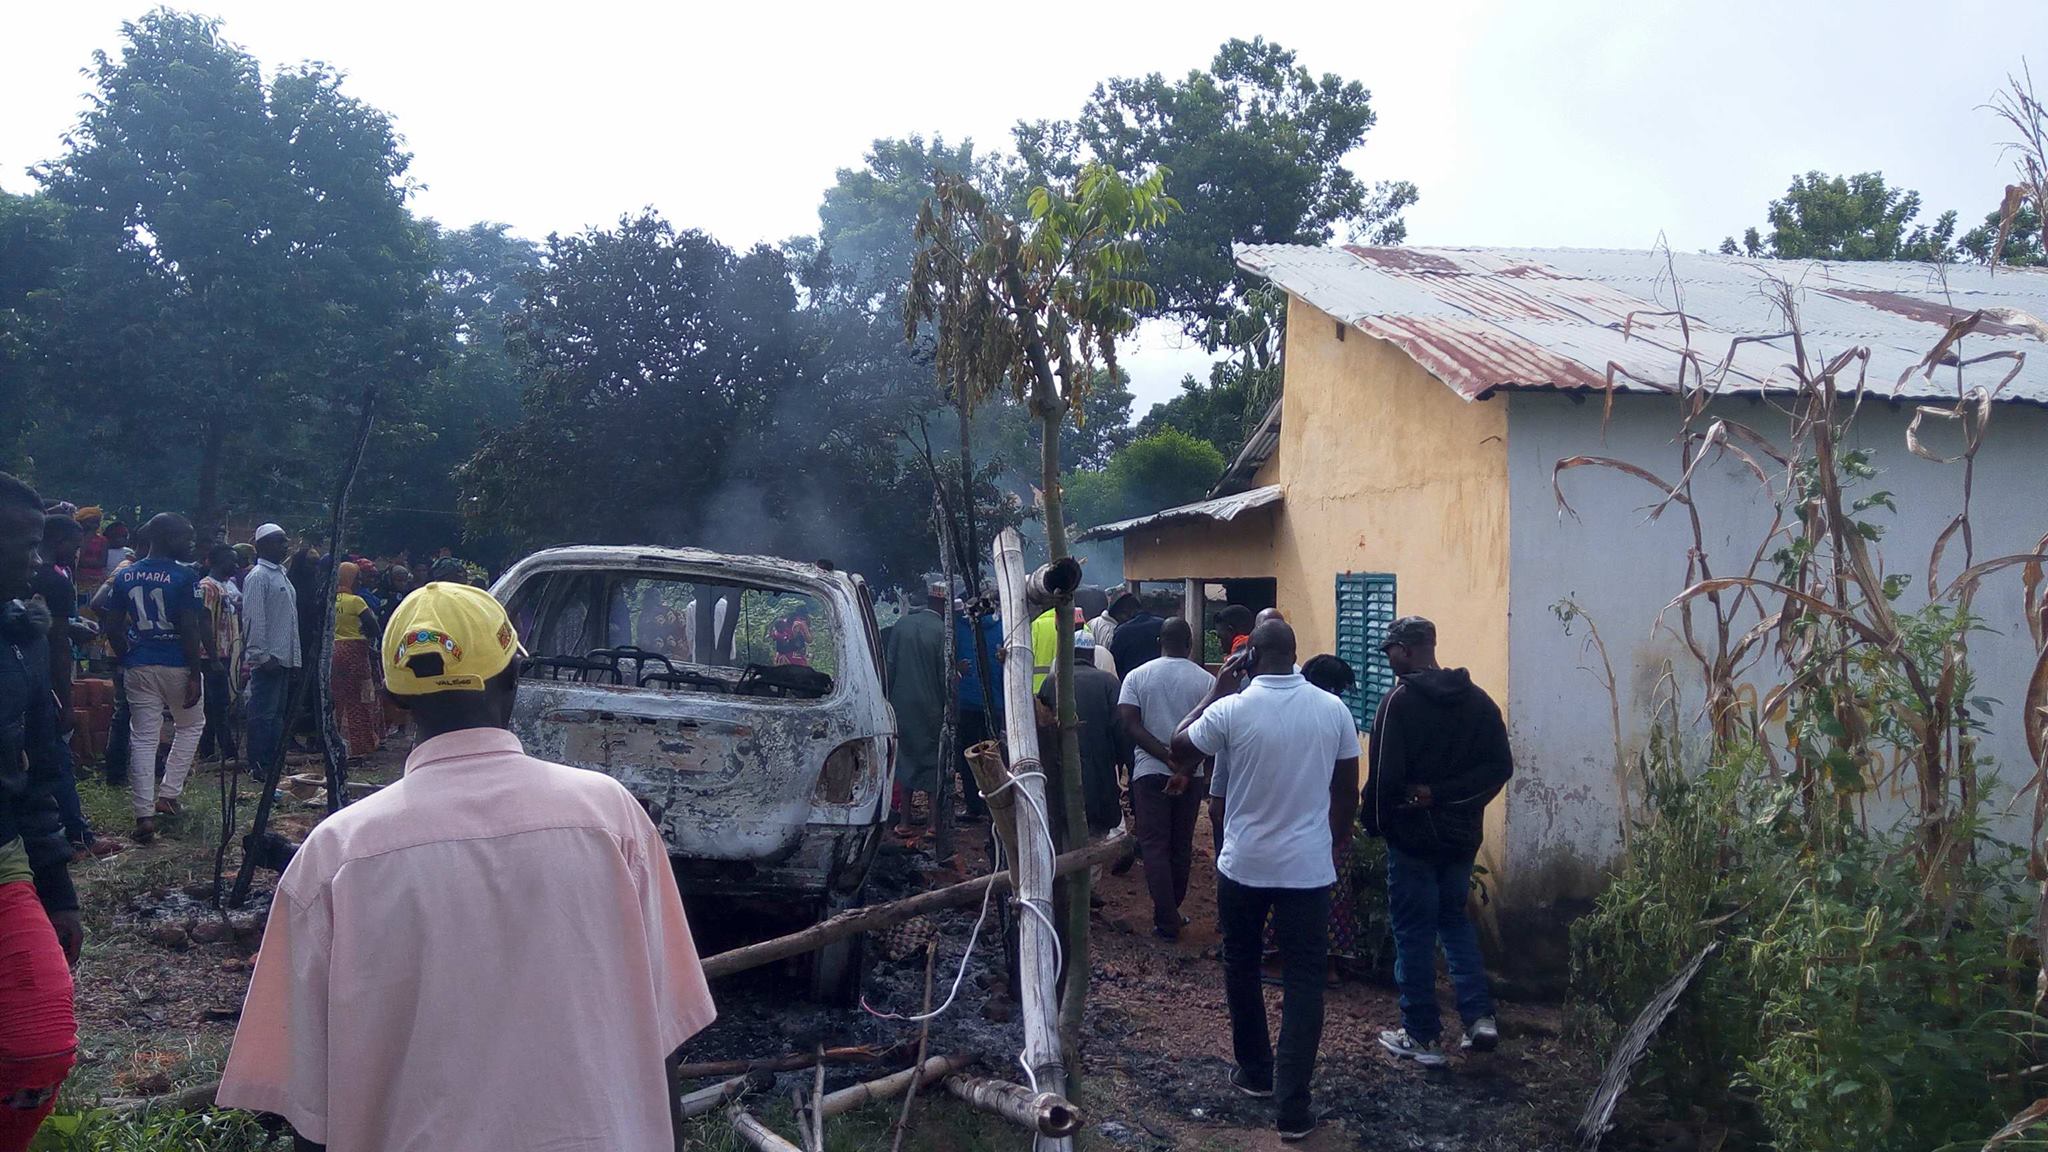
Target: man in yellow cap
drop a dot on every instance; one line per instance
(490, 953)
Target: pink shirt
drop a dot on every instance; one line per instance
(489, 954)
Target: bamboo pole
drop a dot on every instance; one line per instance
(876, 916)
(1037, 948)
(757, 1135)
(707, 1100)
(888, 1087)
(949, 716)
(1046, 1113)
(992, 775)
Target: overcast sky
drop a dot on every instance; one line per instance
(1590, 124)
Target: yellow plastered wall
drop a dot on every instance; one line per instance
(1386, 470)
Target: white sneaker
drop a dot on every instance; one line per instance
(1430, 1055)
(1482, 1036)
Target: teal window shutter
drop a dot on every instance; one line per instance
(1365, 606)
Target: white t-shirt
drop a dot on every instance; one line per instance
(1284, 737)
(1164, 691)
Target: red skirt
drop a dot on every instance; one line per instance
(357, 711)
(38, 1031)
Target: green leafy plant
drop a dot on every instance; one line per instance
(103, 1131)
(1876, 985)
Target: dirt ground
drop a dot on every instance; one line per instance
(163, 978)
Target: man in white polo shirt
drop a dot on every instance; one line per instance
(1293, 753)
(1156, 697)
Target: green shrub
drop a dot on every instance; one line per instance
(1850, 1008)
(173, 1132)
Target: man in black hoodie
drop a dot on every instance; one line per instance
(39, 924)
(1438, 754)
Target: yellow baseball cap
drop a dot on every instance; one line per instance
(466, 627)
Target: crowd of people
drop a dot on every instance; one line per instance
(1271, 746)
(398, 937)
(430, 885)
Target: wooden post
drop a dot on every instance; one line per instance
(1038, 964)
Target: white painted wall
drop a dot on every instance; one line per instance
(1564, 802)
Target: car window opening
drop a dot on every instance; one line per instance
(676, 633)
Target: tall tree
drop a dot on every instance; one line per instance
(1261, 138)
(653, 360)
(675, 393)
(244, 266)
(2022, 247)
(1034, 308)
(32, 258)
(866, 217)
(1858, 217)
(1218, 410)
(409, 497)
(1161, 470)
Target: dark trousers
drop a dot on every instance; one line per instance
(1166, 839)
(220, 728)
(1426, 902)
(269, 691)
(116, 768)
(973, 729)
(1301, 929)
(70, 812)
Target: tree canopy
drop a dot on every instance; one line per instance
(1858, 217)
(1255, 146)
(241, 263)
(1160, 470)
(221, 266)
(1219, 410)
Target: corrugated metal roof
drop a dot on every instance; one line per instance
(1483, 319)
(1221, 508)
(1258, 448)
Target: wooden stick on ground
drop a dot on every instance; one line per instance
(757, 1135)
(877, 916)
(874, 1091)
(704, 1101)
(1046, 1113)
(924, 1035)
(817, 1140)
(857, 1055)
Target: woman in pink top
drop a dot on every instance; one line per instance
(489, 954)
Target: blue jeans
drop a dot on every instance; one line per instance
(269, 691)
(1426, 900)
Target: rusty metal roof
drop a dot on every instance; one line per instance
(1221, 508)
(1487, 319)
(1258, 448)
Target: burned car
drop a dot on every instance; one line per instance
(739, 698)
